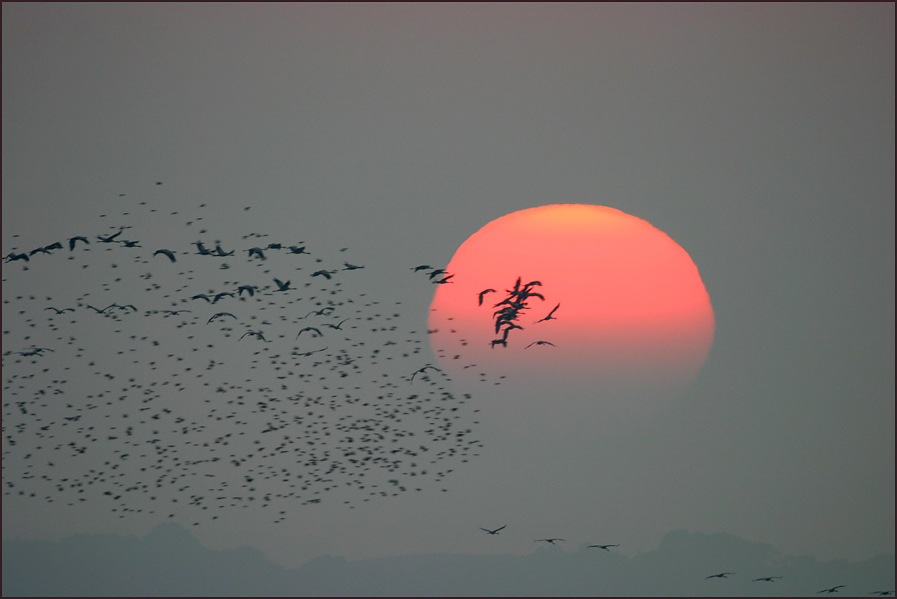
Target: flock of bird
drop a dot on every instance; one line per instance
(607, 547)
(193, 379)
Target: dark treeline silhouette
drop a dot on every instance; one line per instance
(169, 561)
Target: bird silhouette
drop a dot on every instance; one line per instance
(484, 292)
(58, 311)
(168, 253)
(549, 541)
(831, 589)
(720, 575)
(338, 327)
(72, 241)
(312, 329)
(766, 579)
(282, 285)
(257, 252)
(540, 343)
(422, 371)
(322, 273)
(493, 532)
(109, 238)
(257, 334)
(605, 547)
(220, 315)
(550, 317)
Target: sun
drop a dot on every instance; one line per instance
(604, 299)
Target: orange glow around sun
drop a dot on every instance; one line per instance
(632, 308)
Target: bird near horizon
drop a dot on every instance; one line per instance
(605, 547)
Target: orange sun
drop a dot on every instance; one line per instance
(631, 310)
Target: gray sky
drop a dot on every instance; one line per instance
(760, 137)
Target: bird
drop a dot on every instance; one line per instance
(250, 289)
(436, 272)
(322, 273)
(320, 312)
(882, 593)
(550, 317)
(484, 292)
(297, 249)
(218, 296)
(831, 589)
(173, 312)
(423, 370)
(201, 249)
(168, 253)
(766, 579)
(130, 244)
(493, 532)
(312, 329)
(495, 342)
(202, 296)
(109, 238)
(257, 251)
(444, 280)
(58, 311)
(338, 327)
(256, 333)
(720, 575)
(72, 241)
(219, 314)
(605, 547)
(549, 541)
(347, 266)
(13, 256)
(540, 343)
(282, 285)
(421, 267)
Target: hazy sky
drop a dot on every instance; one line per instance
(760, 137)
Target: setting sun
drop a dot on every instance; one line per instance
(631, 308)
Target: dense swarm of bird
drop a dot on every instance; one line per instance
(152, 404)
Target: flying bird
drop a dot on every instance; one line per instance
(338, 327)
(168, 253)
(720, 575)
(348, 266)
(549, 541)
(320, 312)
(13, 256)
(444, 280)
(484, 292)
(605, 547)
(110, 238)
(831, 590)
(58, 311)
(493, 532)
(72, 241)
(550, 317)
(256, 333)
(322, 273)
(540, 343)
(282, 285)
(257, 251)
(219, 315)
(250, 289)
(422, 371)
(312, 329)
(766, 579)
